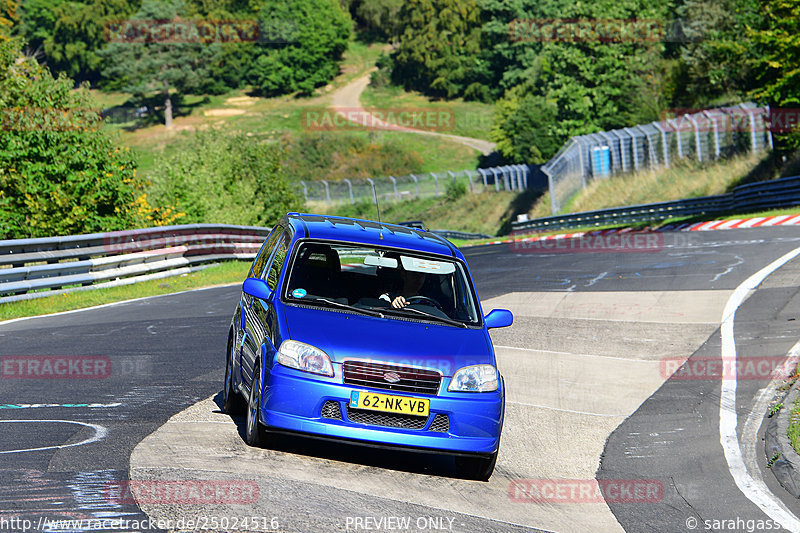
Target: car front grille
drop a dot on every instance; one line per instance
(374, 375)
(441, 423)
(331, 410)
(392, 420)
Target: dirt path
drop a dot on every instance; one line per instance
(347, 102)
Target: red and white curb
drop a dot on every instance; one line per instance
(738, 223)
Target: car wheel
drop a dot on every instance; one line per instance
(255, 434)
(232, 401)
(478, 468)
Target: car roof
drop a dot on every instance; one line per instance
(333, 228)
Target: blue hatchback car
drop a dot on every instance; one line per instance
(366, 332)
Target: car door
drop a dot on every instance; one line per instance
(259, 314)
(246, 305)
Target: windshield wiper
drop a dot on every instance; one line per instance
(340, 305)
(431, 315)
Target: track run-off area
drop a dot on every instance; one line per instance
(637, 383)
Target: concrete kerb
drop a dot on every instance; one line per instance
(777, 444)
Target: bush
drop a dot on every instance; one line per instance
(60, 172)
(455, 190)
(336, 156)
(225, 178)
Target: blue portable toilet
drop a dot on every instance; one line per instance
(601, 161)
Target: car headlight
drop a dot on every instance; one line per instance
(476, 378)
(304, 357)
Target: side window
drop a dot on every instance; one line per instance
(265, 252)
(277, 263)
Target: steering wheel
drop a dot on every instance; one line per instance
(425, 300)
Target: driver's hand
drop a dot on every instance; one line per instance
(399, 302)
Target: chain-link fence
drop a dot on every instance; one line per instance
(704, 136)
(392, 189)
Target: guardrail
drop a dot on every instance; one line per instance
(773, 194)
(35, 268)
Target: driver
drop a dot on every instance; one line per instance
(412, 283)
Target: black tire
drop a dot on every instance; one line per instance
(479, 468)
(232, 401)
(255, 434)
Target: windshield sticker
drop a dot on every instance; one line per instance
(415, 264)
(299, 293)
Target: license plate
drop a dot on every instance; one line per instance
(389, 404)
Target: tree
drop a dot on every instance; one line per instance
(142, 62)
(438, 47)
(78, 33)
(225, 178)
(8, 17)
(301, 45)
(778, 75)
(60, 173)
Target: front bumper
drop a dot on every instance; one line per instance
(293, 400)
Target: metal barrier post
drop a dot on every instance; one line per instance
(350, 189)
(496, 182)
(482, 172)
(435, 183)
(305, 190)
(698, 145)
(716, 133)
(416, 186)
(664, 146)
(394, 185)
(327, 191)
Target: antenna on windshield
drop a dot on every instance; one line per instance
(377, 207)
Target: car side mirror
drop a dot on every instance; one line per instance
(257, 288)
(499, 318)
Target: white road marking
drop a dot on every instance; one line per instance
(739, 261)
(12, 320)
(611, 415)
(578, 354)
(596, 279)
(99, 433)
(754, 489)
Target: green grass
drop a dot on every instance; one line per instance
(229, 272)
(684, 180)
(793, 432)
(474, 213)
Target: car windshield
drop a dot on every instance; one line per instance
(381, 282)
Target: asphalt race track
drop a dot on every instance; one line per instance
(130, 392)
